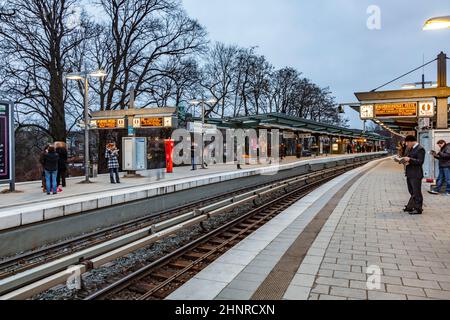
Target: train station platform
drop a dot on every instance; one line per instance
(30, 205)
(348, 239)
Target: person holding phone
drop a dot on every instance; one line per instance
(444, 167)
(112, 155)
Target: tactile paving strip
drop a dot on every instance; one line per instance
(278, 280)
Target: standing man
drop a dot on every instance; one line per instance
(193, 156)
(444, 167)
(414, 174)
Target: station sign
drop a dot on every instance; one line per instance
(288, 135)
(136, 122)
(397, 109)
(426, 109)
(156, 122)
(107, 123)
(151, 122)
(198, 127)
(304, 135)
(402, 109)
(6, 143)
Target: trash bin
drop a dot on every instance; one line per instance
(93, 170)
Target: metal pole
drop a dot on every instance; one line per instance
(203, 129)
(86, 130)
(12, 184)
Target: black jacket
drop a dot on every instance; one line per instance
(62, 162)
(444, 156)
(414, 168)
(51, 161)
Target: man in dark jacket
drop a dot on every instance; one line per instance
(444, 167)
(62, 163)
(414, 160)
(51, 168)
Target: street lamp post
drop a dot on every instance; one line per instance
(84, 76)
(202, 102)
(442, 102)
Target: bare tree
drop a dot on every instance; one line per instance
(143, 36)
(37, 40)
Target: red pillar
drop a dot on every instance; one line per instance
(169, 144)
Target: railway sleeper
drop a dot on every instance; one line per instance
(162, 274)
(193, 255)
(180, 264)
(142, 288)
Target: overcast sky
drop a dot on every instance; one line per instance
(329, 41)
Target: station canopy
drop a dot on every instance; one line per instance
(290, 123)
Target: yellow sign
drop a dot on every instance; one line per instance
(151, 122)
(400, 109)
(106, 123)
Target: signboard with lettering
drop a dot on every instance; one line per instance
(397, 109)
(152, 122)
(106, 123)
(288, 135)
(6, 144)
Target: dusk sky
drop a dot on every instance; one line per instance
(329, 41)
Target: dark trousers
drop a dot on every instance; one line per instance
(415, 190)
(193, 163)
(61, 176)
(114, 172)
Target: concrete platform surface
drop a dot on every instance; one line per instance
(31, 205)
(349, 239)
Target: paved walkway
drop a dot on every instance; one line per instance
(352, 223)
(411, 252)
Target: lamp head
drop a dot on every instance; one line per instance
(437, 23)
(99, 73)
(74, 76)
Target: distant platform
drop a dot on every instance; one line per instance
(321, 247)
(32, 206)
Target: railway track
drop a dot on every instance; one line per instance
(28, 260)
(45, 276)
(160, 278)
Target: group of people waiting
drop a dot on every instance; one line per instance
(54, 167)
(413, 156)
(356, 148)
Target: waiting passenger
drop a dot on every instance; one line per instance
(414, 174)
(41, 161)
(349, 148)
(444, 167)
(112, 155)
(193, 156)
(62, 163)
(51, 169)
